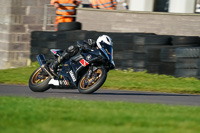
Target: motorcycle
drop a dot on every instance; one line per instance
(86, 71)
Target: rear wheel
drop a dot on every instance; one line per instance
(39, 80)
(92, 83)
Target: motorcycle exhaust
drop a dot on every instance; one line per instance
(42, 61)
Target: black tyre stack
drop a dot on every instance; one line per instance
(118, 48)
(41, 42)
(187, 55)
(188, 62)
(169, 57)
(67, 38)
(34, 46)
(123, 52)
(147, 52)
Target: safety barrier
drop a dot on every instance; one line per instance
(161, 54)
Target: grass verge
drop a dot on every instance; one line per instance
(143, 81)
(126, 80)
(33, 115)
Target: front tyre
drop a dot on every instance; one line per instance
(93, 83)
(38, 81)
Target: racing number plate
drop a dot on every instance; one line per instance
(83, 62)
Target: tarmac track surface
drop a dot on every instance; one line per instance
(105, 95)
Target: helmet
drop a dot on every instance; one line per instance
(104, 40)
(104, 43)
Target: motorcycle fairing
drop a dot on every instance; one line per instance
(107, 50)
(71, 68)
(83, 62)
(57, 82)
(56, 51)
(68, 73)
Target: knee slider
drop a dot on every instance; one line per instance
(65, 55)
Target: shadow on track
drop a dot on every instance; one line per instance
(126, 94)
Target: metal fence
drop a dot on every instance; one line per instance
(49, 18)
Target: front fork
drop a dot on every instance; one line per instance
(90, 75)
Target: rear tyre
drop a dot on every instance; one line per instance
(38, 81)
(90, 85)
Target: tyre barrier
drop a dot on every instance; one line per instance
(153, 67)
(161, 54)
(182, 40)
(69, 26)
(188, 52)
(167, 68)
(168, 54)
(186, 73)
(188, 62)
(151, 40)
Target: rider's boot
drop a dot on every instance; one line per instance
(71, 51)
(54, 65)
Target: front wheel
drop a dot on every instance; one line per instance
(90, 84)
(38, 81)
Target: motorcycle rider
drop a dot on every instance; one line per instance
(74, 49)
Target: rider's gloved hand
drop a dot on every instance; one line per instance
(84, 47)
(91, 42)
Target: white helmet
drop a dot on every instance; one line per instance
(104, 39)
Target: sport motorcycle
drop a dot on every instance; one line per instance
(86, 71)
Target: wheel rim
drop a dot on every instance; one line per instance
(93, 79)
(37, 78)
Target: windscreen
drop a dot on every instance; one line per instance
(107, 50)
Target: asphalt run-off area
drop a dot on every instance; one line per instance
(104, 95)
